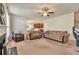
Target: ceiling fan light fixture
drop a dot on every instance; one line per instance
(45, 14)
(46, 11)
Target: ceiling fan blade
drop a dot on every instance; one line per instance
(50, 12)
(47, 15)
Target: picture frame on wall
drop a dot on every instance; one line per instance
(4, 21)
(39, 25)
(2, 16)
(1, 22)
(1, 9)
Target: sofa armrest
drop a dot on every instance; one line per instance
(65, 38)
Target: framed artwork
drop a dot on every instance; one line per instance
(2, 21)
(2, 16)
(38, 25)
(1, 9)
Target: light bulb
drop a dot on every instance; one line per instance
(45, 14)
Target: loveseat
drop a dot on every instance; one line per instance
(35, 35)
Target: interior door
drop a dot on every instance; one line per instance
(76, 27)
(76, 19)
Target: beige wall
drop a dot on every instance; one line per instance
(20, 23)
(61, 23)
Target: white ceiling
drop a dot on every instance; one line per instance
(29, 9)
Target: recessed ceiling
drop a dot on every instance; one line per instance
(29, 9)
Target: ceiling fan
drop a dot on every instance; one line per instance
(46, 11)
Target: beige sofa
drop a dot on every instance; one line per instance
(59, 36)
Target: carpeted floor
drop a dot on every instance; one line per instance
(44, 46)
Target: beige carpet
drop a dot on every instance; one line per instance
(44, 46)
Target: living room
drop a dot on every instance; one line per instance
(41, 29)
